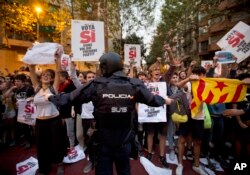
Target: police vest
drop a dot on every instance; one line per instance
(113, 106)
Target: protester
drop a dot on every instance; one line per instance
(242, 124)
(66, 86)
(9, 112)
(85, 120)
(195, 126)
(161, 127)
(114, 96)
(49, 126)
(21, 92)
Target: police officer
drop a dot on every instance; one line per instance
(114, 96)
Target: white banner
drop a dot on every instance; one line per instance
(153, 114)
(87, 41)
(74, 155)
(27, 167)
(132, 53)
(41, 53)
(26, 112)
(237, 41)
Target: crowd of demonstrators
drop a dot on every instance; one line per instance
(103, 128)
(220, 142)
(12, 93)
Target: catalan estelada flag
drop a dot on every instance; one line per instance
(216, 90)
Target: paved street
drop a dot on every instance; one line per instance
(10, 156)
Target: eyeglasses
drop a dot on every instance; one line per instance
(47, 75)
(91, 77)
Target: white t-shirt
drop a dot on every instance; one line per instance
(44, 108)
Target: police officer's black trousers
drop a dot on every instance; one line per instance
(107, 155)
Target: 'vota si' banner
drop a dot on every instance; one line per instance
(132, 54)
(87, 40)
(237, 41)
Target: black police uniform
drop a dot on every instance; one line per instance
(114, 96)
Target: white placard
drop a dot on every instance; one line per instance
(74, 154)
(41, 53)
(237, 41)
(87, 41)
(148, 114)
(26, 112)
(65, 62)
(151, 169)
(27, 167)
(132, 53)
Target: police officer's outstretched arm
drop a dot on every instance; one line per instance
(64, 99)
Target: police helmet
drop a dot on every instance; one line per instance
(109, 63)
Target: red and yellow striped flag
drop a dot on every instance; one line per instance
(216, 90)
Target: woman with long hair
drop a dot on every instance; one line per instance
(49, 126)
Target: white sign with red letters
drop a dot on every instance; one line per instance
(87, 40)
(27, 167)
(237, 41)
(132, 54)
(26, 112)
(74, 154)
(153, 114)
(65, 62)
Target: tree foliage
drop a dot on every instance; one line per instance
(178, 17)
(15, 15)
(19, 16)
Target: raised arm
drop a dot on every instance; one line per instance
(33, 76)
(73, 76)
(192, 77)
(131, 70)
(190, 68)
(58, 55)
(174, 63)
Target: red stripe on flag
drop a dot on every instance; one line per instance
(193, 105)
(223, 98)
(237, 93)
(209, 97)
(200, 89)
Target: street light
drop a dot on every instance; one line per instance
(38, 11)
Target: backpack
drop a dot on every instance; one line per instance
(179, 109)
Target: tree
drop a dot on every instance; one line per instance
(19, 16)
(178, 19)
(16, 16)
